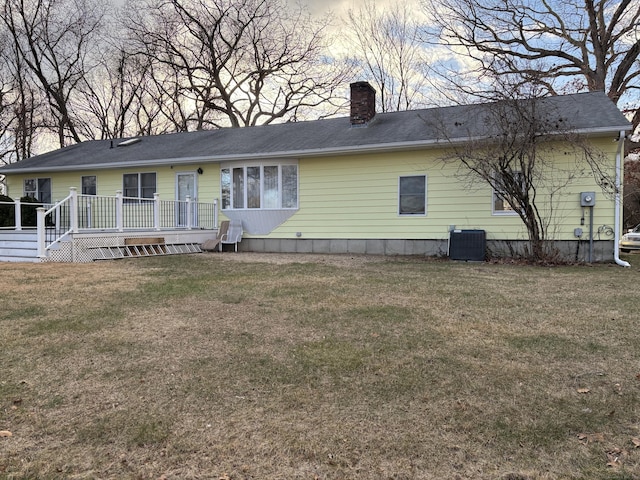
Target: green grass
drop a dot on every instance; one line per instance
(247, 366)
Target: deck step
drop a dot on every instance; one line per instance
(18, 258)
(145, 250)
(18, 246)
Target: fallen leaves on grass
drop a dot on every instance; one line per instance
(5, 433)
(636, 442)
(583, 390)
(615, 457)
(591, 437)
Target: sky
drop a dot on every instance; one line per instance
(340, 7)
(318, 7)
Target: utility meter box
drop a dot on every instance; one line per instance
(587, 199)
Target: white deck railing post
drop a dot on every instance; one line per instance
(189, 213)
(40, 225)
(59, 215)
(119, 211)
(215, 213)
(73, 209)
(89, 213)
(156, 211)
(18, 215)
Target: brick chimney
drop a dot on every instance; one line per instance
(363, 103)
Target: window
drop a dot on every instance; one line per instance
(259, 187)
(138, 185)
(38, 188)
(501, 204)
(412, 195)
(89, 185)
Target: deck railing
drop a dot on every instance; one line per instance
(57, 222)
(11, 215)
(19, 215)
(89, 213)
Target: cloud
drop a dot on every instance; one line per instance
(320, 7)
(340, 7)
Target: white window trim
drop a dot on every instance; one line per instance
(82, 183)
(425, 196)
(501, 213)
(37, 191)
(139, 196)
(261, 164)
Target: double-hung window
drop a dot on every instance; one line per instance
(89, 185)
(412, 195)
(501, 197)
(138, 185)
(38, 188)
(265, 186)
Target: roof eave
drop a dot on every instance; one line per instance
(320, 152)
(287, 154)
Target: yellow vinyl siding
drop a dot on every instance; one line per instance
(110, 181)
(357, 197)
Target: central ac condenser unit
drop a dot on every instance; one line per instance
(468, 245)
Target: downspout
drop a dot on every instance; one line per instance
(616, 230)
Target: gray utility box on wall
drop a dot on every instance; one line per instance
(468, 245)
(587, 199)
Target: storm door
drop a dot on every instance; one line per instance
(186, 186)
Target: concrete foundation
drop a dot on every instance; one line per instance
(572, 251)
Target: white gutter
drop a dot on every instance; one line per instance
(616, 229)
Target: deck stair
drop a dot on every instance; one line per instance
(19, 247)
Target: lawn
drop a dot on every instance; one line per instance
(245, 366)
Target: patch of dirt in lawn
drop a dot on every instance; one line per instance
(339, 260)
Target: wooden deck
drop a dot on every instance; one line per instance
(84, 228)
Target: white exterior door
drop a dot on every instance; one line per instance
(186, 186)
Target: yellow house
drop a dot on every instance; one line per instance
(364, 184)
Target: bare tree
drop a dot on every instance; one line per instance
(54, 39)
(562, 46)
(631, 189)
(387, 48)
(235, 62)
(19, 119)
(118, 100)
(513, 146)
(7, 106)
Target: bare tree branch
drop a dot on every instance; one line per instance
(562, 46)
(514, 146)
(54, 40)
(237, 62)
(386, 46)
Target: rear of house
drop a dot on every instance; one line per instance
(367, 183)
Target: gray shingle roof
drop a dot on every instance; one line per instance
(586, 112)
